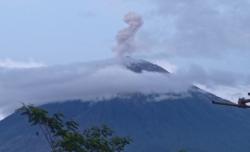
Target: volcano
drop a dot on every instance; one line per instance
(157, 122)
(139, 66)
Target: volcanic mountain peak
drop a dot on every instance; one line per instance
(138, 65)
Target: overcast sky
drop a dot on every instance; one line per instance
(55, 32)
(209, 38)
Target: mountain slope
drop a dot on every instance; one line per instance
(191, 123)
(158, 122)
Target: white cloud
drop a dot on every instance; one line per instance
(103, 79)
(80, 81)
(225, 84)
(228, 92)
(9, 63)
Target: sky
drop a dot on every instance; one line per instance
(206, 41)
(59, 32)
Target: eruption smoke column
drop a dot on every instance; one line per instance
(126, 37)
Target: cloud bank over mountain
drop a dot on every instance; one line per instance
(80, 81)
(100, 79)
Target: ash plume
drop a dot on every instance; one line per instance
(126, 37)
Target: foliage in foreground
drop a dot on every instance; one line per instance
(65, 136)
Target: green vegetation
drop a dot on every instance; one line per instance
(65, 136)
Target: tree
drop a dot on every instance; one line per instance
(65, 136)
